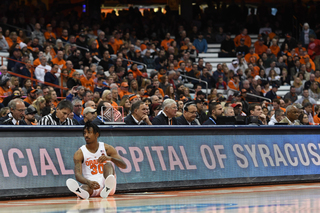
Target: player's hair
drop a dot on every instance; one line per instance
(94, 127)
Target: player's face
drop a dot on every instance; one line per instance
(90, 136)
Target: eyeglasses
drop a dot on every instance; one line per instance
(77, 105)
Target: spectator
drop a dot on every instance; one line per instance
(126, 105)
(89, 115)
(77, 109)
(291, 117)
(75, 58)
(308, 110)
(189, 115)
(219, 73)
(256, 110)
(202, 116)
(316, 117)
(244, 35)
(305, 95)
(4, 73)
(305, 33)
(277, 117)
(3, 43)
(31, 96)
(60, 115)
(303, 119)
(16, 115)
(5, 89)
(215, 110)
(314, 50)
(292, 94)
(200, 43)
(314, 91)
(14, 58)
(272, 94)
(234, 82)
(138, 115)
(166, 42)
(50, 77)
(59, 60)
(227, 47)
(297, 83)
(206, 76)
(87, 80)
(260, 47)
(30, 118)
(167, 115)
(39, 104)
(42, 69)
(38, 34)
(229, 112)
(251, 57)
(275, 49)
(220, 36)
(4, 112)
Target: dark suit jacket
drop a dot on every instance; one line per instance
(163, 120)
(8, 121)
(182, 121)
(130, 121)
(97, 121)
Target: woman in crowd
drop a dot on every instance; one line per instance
(285, 78)
(134, 86)
(47, 53)
(213, 95)
(297, 83)
(39, 104)
(154, 110)
(169, 93)
(107, 96)
(314, 91)
(63, 80)
(125, 103)
(303, 118)
(243, 64)
(273, 77)
(4, 112)
(164, 82)
(27, 84)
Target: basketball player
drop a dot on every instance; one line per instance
(93, 166)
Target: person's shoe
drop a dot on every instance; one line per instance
(75, 188)
(109, 184)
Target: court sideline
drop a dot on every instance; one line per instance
(255, 199)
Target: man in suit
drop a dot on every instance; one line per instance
(138, 115)
(167, 114)
(16, 115)
(189, 114)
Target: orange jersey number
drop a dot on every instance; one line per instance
(95, 169)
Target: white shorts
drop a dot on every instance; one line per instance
(96, 193)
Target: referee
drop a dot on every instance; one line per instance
(59, 116)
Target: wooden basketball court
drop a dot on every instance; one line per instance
(269, 198)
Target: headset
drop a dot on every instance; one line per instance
(185, 107)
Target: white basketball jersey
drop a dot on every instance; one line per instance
(91, 169)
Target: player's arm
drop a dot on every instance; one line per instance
(112, 155)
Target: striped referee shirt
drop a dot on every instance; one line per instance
(52, 119)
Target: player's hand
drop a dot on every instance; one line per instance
(103, 158)
(93, 184)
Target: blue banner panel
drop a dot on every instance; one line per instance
(38, 161)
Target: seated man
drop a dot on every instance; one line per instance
(292, 115)
(89, 114)
(16, 115)
(167, 115)
(60, 115)
(256, 111)
(215, 110)
(277, 117)
(138, 115)
(189, 114)
(96, 175)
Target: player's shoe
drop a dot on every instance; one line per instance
(109, 184)
(75, 188)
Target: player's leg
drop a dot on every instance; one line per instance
(110, 182)
(83, 192)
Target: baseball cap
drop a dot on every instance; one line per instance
(197, 101)
(257, 77)
(234, 61)
(235, 105)
(260, 39)
(239, 53)
(243, 91)
(237, 94)
(49, 25)
(138, 51)
(88, 109)
(31, 110)
(124, 84)
(31, 91)
(132, 96)
(275, 86)
(82, 35)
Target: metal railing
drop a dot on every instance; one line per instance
(252, 95)
(199, 81)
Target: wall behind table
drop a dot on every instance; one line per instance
(37, 161)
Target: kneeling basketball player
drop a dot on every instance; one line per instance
(93, 167)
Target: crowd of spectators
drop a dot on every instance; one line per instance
(114, 84)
